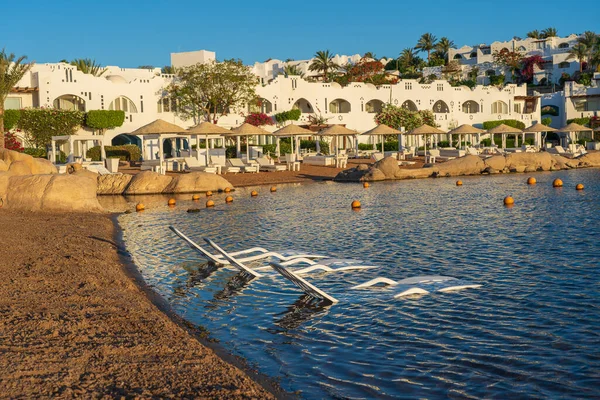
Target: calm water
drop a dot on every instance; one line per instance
(531, 331)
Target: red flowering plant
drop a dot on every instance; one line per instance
(258, 119)
(528, 63)
(11, 142)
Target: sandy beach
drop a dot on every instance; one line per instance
(75, 324)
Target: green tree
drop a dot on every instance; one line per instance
(370, 54)
(206, 92)
(146, 67)
(88, 66)
(442, 48)
(509, 59)
(580, 52)
(407, 60)
(589, 39)
(427, 42)
(167, 69)
(12, 69)
(535, 34)
(292, 70)
(549, 32)
(323, 61)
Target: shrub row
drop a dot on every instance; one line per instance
(61, 157)
(510, 122)
(291, 115)
(128, 152)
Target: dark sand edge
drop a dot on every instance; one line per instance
(197, 332)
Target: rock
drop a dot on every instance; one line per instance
(388, 166)
(74, 167)
(4, 176)
(3, 166)
(467, 165)
(51, 192)
(43, 166)
(113, 183)
(588, 160)
(148, 182)
(19, 168)
(362, 167)
(491, 171)
(497, 163)
(36, 165)
(558, 162)
(87, 174)
(520, 161)
(530, 168)
(352, 174)
(416, 173)
(196, 182)
(373, 175)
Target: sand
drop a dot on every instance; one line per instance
(73, 322)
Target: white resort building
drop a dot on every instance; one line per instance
(139, 93)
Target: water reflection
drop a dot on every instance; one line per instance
(303, 309)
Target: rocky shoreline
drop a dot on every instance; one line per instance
(387, 169)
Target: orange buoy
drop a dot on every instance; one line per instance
(531, 181)
(273, 189)
(509, 201)
(458, 183)
(140, 207)
(579, 186)
(366, 185)
(208, 194)
(195, 197)
(172, 202)
(227, 190)
(557, 183)
(210, 203)
(356, 204)
(228, 199)
(254, 193)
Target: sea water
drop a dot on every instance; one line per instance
(532, 330)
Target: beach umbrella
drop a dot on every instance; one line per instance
(503, 129)
(425, 130)
(246, 129)
(292, 131)
(206, 129)
(159, 127)
(573, 127)
(382, 130)
(539, 128)
(466, 129)
(337, 131)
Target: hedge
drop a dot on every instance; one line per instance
(104, 119)
(61, 157)
(291, 115)
(510, 122)
(11, 118)
(546, 121)
(128, 152)
(581, 121)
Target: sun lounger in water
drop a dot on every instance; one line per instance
(302, 284)
(421, 284)
(261, 253)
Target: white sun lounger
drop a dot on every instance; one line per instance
(285, 255)
(324, 265)
(232, 260)
(302, 284)
(421, 284)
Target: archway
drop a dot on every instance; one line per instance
(303, 105)
(262, 105)
(123, 103)
(499, 107)
(339, 106)
(69, 102)
(125, 139)
(470, 107)
(410, 105)
(374, 106)
(440, 107)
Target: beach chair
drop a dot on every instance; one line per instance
(192, 164)
(236, 162)
(222, 163)
(306, 287)
(267, 165)
(421, 284)
(431, 157)
(377, 156)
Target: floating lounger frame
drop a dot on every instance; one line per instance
(232, 260)
(194, 246)
(302, 284)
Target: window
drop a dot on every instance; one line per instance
(517, 108)
(409, 105)
(457, 56)
(564, 45)
(499, 107)
(407, 86)
(470, 107)
(473, 54)
(490, 72)
(440, 107)
(122, 103)
(564, 64)
(440, 87)
(166, 104)
(590, 104)
(374, 106)
(12, 103)
(522, 48)
(69, 102)
(339, 106)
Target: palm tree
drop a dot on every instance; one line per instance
(595, 60)
(588, 39)
(11, 72)
(292, 70)
(88, 66)
(167, 69)
(426, 43)
(323, 61)
(443, 47)
(549, 32)
(408, 58)
(370, 54)
(580, 52)
(535, 34)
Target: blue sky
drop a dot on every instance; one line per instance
(129, 33)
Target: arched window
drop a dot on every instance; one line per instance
(166, 104)
(499, 107)
(470, 107)
(522, 48)
(490, 72)
(410, 105)
(440, 107)
(473, 54)
(69, 102)
(123, 103)
(303, 105)
(374, 106)
(564, 64)
(260, 106)
(457, 56)
(339, 106)
(564, 45)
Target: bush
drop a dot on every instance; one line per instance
(11, 118)
(128, 152)
(390, 145)
(582, 141)
(258, 119)
(104, 119)
(365, 146)
(549, 110)
(546, 121)
(581, 121)
(444, 143)
(312, 145)
(291, 115)
(61, 157)
(496, 80)
(510, 122)
(40, 124)
(284, 148)
(486, 142)
(11, 142)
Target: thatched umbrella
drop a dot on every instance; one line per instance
(466, 129)
(291, 131)
(425, 130)
(337, 131)
(159, 127)
(504, 129)
(382, 130)
(246, 129)
(206, 129)
(576, 128)
(539, 128)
